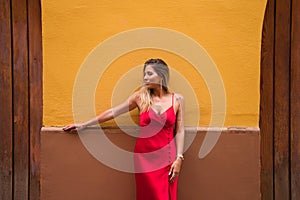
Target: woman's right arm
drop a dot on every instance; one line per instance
(128, 105)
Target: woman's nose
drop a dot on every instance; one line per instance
(145, 78)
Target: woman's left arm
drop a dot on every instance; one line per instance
(179, 137)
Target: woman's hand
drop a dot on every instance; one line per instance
(175, 169)
(74, 126)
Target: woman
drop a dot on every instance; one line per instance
(159, 148)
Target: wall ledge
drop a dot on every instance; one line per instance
(118, 129)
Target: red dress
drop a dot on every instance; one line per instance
(155, 152)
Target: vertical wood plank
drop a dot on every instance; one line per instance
(20, 100)
(266, 102)
(294, 102)
(281, 100)
(35, 91)
(6, 141)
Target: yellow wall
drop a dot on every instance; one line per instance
(230, 32)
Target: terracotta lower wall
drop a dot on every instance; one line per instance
(231, 171)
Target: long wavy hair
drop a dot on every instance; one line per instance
(162, 69)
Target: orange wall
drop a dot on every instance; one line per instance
(229, 31)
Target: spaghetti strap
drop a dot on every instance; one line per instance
(172, 99)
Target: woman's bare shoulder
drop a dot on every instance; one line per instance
(178, 97)
(135, 96)
(179, 101)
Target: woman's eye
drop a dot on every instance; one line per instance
(148, 74)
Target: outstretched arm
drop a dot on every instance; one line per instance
(109, 114)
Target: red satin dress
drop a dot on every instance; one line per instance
(155, 151)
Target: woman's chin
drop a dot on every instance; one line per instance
(147, 85)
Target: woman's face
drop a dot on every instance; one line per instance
(151, 78)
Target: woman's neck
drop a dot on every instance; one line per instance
(158, 92)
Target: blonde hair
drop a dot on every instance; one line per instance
(162, 69)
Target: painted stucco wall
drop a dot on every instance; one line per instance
(229, 31)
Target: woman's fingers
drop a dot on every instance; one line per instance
(174, 171)
(173, 176)
(69, 127)
(73, 126)
(171, 171)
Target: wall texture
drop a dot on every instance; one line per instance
(230, 172)
(230, 32)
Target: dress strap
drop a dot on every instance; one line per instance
(172, 99)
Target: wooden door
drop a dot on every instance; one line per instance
(20, 98)
(280, 101)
